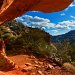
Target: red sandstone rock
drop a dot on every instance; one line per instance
(10, 9)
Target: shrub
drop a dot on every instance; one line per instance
(69, 67)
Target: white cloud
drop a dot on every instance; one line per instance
(72, 17)
(46, 24)
(62, 14)
(35, 21)
(55, 31)
(65, 24)
(42, 22)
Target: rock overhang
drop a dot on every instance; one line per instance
(10, 9)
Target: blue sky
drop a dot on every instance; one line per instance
(56, 23)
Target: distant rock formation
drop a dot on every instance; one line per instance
(10, 9)
(70, 36)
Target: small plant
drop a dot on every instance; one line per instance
(73, 63)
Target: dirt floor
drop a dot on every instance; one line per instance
(30, 65)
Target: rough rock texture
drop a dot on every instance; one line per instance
(31, 65)
(10, 9)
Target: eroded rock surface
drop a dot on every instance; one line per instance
(10, 9)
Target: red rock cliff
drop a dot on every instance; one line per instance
(10, 9)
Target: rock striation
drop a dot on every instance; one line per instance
(10, 9)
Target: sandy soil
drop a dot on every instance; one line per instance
(30, 65)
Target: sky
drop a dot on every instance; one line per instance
(56, 23)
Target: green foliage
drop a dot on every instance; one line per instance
(71, 51)
(73, 63)
(31, 40)
(7, 35)
(65, 51)
(36, 41)
(2, 62)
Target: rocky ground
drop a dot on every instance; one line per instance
(30, 65)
